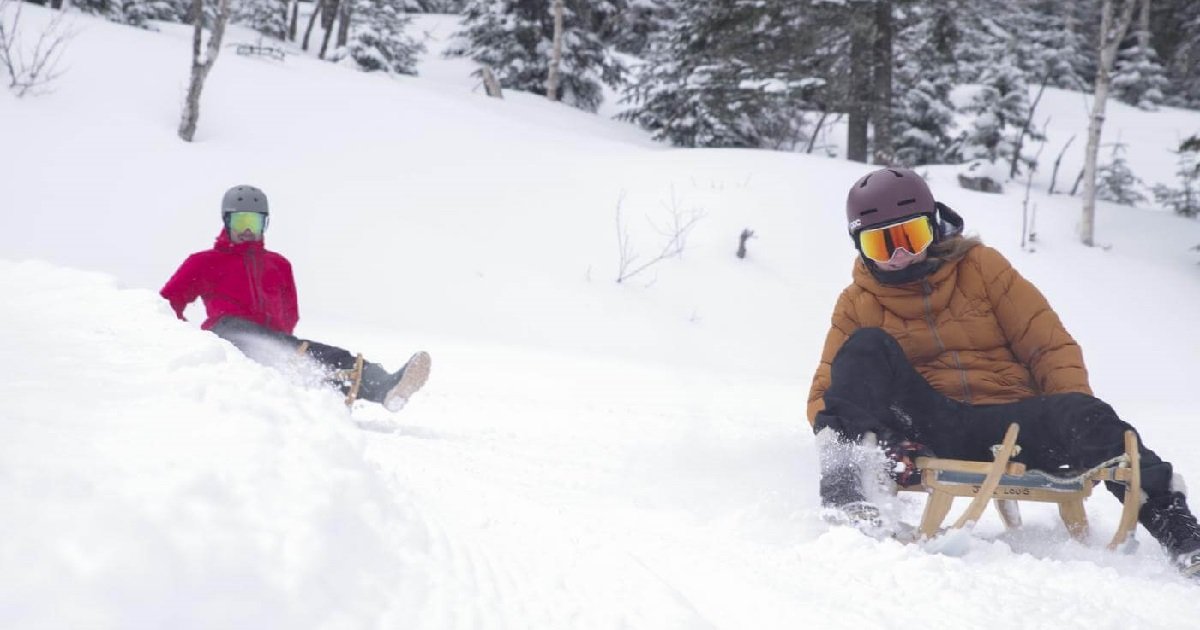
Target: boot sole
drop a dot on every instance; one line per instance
(416, 373)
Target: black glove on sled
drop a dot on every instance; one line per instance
(903, 455)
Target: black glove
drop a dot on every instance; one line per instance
(903, 455)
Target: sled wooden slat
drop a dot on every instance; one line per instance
(983, 468)
(1133, 492)
(992, 481)
(355, 380)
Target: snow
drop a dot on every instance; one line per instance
(587, 454)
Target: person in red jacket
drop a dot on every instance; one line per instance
(249, 294)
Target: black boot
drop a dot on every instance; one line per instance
(376, 381)
(1173, 525)
(841, 485)
(393, 390)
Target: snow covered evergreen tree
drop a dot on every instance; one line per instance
(724, 75)
(1116, 182)
(514, 39)
(1138, 78)
(135, 12)
(636, 22)
(377, 41)
(1175, 35)
(1000, 108)
(1184, 200)
(923, 114)
(268, 17)
(1054, 50)
(433, 6)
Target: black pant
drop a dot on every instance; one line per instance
(262, 344)
(874, 388)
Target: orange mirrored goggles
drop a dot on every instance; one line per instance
(913, 235)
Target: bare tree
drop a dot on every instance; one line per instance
(1025, 130)
(556, 54)
(1110, 39)
(676, 232)
(201, 67)
(29, 72)
(1057, 161)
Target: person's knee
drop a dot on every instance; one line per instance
(869, 341)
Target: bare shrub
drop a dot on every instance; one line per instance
(31, 71)
(676, 230)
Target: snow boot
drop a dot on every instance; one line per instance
(1173, 525)
(393, 390)
(841, 485)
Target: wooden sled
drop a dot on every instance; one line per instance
(350, 379)
(1009, 483)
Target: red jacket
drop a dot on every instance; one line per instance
(243, 280)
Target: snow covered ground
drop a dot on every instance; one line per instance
(587, 454)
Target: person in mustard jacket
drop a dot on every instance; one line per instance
(938, 344)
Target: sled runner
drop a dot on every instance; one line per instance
(1009, 483)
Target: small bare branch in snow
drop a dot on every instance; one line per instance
(31, 71)
(676, 230)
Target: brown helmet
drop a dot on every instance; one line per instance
(885, 196)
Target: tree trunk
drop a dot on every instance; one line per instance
(201, 68)
(1143, 34)
(881, 114)
(556, 54)
(344, 17)
(56, 4)
(859, 106)
(490, 84)
(1110, 39)
(318, 8)
(291, 34)
(328, 14)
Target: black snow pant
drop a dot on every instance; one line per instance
(874, 388)
(272, 347)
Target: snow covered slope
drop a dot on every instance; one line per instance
(586, 455)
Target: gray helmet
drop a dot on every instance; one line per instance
(885, 196)
(244, 199)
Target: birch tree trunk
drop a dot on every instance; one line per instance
(556, 56)
(201, 68)
(1110, 39)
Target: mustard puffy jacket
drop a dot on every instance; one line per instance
(975, 329)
